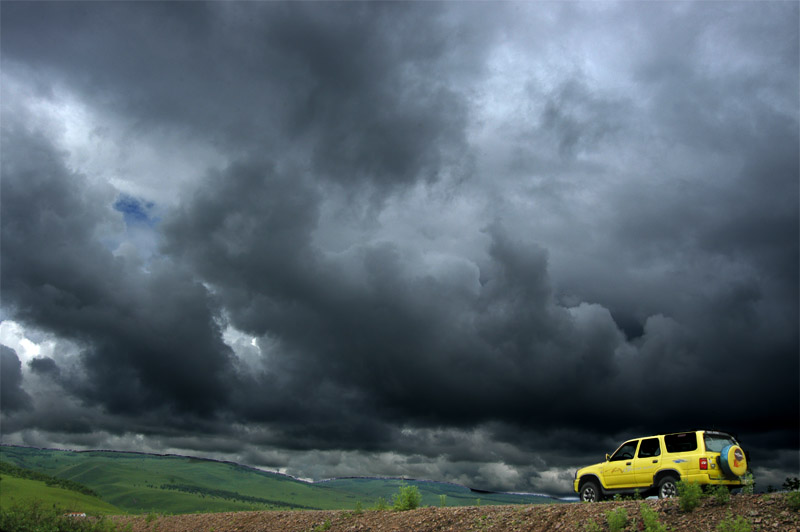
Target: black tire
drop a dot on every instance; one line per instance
(590, 492)
(667, 487)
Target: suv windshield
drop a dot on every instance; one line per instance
(625, 452)
(715, 442)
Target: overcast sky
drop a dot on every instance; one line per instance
(473, 242)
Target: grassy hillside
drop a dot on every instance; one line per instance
(141, 483)
(144, 483)
(23, 491)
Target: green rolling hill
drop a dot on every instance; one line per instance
(19, 486)
(22, 490)
(140, 483)
(147, 483)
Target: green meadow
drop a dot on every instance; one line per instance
(143, 483)
(15, 490)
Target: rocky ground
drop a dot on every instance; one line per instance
(764, 512)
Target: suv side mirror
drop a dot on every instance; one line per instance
(607, 457)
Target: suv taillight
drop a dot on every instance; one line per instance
(704, 463)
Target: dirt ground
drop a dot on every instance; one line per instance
(764, 512)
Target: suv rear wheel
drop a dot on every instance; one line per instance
(667, 487)
(590, 492)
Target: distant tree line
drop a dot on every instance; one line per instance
(232, 496)
(10, 469)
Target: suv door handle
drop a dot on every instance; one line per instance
(627, 463)
(655, 461)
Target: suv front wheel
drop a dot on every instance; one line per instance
(667, 488)
(590, 492)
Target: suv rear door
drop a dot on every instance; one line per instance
(647, 461)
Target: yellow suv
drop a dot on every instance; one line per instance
(653, 465)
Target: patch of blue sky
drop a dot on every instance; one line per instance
(136, 211)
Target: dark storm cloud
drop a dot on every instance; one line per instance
(389, 345)
(606, 244)
(12, 396)
(149, 338)
(44, 366)
(362, 103)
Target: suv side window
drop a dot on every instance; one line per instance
(681, 443)
(649, 448)
(625, 452)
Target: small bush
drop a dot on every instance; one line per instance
(650, 519)
(793, 500)
(407, 498)
(689, 494)
(749, 484)
(729, 524)
(720, 494)
(592, 526)
(381, 504)
(323, 527)
(791, 484)
(617, 519)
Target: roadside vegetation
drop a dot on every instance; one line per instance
(37, 517)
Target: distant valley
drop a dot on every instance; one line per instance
(138, 483)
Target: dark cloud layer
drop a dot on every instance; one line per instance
(417, 239)
(12, 396)
(140, 349)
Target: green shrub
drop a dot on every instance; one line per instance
(650, 519)
(793, 500)
(482, 523)
(407, 498)
(323, 527)
(729, 524)
(381, 504)
(749, 484)
(791, 484)
(689, 494)
(592, 526)
(617, 519)
(721, 494)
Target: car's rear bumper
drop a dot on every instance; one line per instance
(705, 478)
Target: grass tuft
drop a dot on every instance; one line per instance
(689, 494)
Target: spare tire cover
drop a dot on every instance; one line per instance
(733, 461)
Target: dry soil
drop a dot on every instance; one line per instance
(765, 513)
